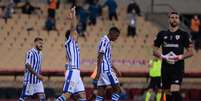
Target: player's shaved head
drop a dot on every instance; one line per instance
(113, 33)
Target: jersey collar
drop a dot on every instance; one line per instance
(36, 50)
(107, 37)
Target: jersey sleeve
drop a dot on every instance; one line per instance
(187, 40)
(158, 40)
(102, 47)
(29, 58)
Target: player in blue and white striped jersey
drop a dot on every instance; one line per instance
(73, 85)
(106, 72)
(33, 80)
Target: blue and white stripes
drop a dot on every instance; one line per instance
(72, 53)
(33, 58)
(104, 47)
(115, 97)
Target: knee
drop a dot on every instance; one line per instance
(67, 95)
(82, 95)
(175, 88)
(41, 97)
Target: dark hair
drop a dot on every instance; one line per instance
(67, 34)
(114, 29)
(173, 12)
(38, 39)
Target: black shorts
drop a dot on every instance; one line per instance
(171, 74)
(155, 83)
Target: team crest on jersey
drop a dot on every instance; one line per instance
(177, 37)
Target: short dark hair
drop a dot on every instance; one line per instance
(67, 34)
(114, 29)
(38, 39)
(173, 12)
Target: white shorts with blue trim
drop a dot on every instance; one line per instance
(73, 83)
(31, 89)
(108, 78)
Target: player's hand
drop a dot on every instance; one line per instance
(119, 74)
(97, 77)
(95, 82)
(169, 59)
(43, 78)
(71, 13)
(177, 58)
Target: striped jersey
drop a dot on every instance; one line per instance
(33, 58)
(72, 53)
(104, 47)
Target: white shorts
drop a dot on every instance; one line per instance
(31, 89)
(108, 78)
(73, 83)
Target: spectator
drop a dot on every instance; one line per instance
(52, 8)
(50, 24)
(112, 7)
(27, 8)
(94, 12)
(16, 1)
(132, 24)
(83, 19)
(8, 10)
(134, 6)
(195, 25)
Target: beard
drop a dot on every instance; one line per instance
(174, 24)
(39, 48)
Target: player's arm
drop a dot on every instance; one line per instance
(28, 66)
(156, 52)
(39, 76)
(99, 61)
(156, 47)
(73, 21)
(188, 53)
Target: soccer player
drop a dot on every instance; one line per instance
(33, 80)
(173, 42)
(155, 79)
(73, 85)
(105, 69)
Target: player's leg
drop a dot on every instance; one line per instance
(100, 94)
(64, 97)
(23, 96)
(41, 97)
(114, 82)
(116, 92)
(158, 88)
(150, 89)
(80, 90)
(166, 81)
(68, 87)
(176, 82)
(39, 91)
(158, 95)
(81, 96)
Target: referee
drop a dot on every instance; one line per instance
(173, 42)
(155, 79)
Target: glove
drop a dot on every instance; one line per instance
(169, 59)
(95, 82)
(177, 58)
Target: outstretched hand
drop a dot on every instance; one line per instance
(71, 13)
